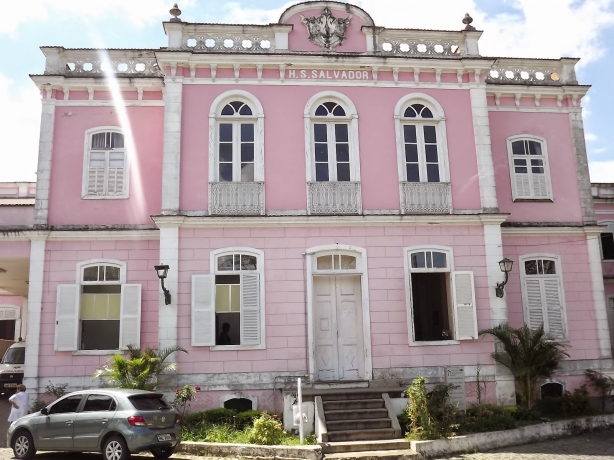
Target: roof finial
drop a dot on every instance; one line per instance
(467, 20)
(175, 12)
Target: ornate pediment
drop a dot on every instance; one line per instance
(326, 30)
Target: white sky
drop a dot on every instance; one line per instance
(520, 28)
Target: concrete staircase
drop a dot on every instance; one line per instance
(357, 416)
(397, 449)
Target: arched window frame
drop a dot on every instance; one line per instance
(203, 287)
(469, 331)
(351, 118)
(215, 118)
(516, 194)
(438, 120)
(87, 151)
(68, 310)
(558, 276)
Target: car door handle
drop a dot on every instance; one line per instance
(104, 420)
(69, 422)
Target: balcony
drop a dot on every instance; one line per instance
(334, 198)
(237, 198)
(426, 198)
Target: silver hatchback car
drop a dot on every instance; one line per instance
(113, 421)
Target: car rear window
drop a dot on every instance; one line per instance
(149, 402)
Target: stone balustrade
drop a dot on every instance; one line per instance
(334, 198)
(237, 198)
(426, 198)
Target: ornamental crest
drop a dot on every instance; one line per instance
(326, 30)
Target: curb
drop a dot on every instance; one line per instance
(525, 435)
(251, 450)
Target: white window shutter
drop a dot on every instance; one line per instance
(115, 183)
(554, 308)
(95, 181)
(535, 304)
(17, 329)
(67, 318)
(465, 313)
(130, 318)
(540, 186)
(522, 185)
(250, 309)
(203, 311)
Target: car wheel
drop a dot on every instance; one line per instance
(163, 452)
(23, 445)
(115, 448)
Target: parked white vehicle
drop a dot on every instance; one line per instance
(11, 367)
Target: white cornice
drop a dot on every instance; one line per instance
(550, 231)
(329, 221)
(109, 103)
(104, 235)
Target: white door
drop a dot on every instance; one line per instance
(339, 333)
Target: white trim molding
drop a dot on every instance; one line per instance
(171, 156)
(167, 314)
(601, 314)
(532, 179)
(45, 152)
(88, 263)
(311, 256)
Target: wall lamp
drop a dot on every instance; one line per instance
(505, 265)
(162, 271)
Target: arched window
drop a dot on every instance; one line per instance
(101, 312)
(105, 172)
(332, 139)
(237, 150)
(421, 140)
(543, 294)
(529, 171)
(227, 304)
(441, 301)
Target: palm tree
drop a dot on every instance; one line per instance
(531, 356)
(140, 369)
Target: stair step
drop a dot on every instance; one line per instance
(364, 424)
(364, 446)
(361, 435)
(358, 414)
(353, 404)
(405, 454)
(349, 396)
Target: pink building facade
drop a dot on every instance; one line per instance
(333, 199)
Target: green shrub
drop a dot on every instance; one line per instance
(431, 416)
(245, 419)
(267, 430)
(576, 403)
(603, 386)
(404, 422)
(211, 416)
(487, 417)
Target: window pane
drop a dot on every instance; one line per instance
(530, 267)
(247, 172)
(536, 170)
(321, 152)
(224, 263)
(413, 173)
(549, 267)
(431, 153)
(430, 136)
(222, 298)
(607, 245)
(439, 260)
(245, 110)
(411, 153)
(97, 160)
(410, 133)
(348, 263)
(112, 273)
(325, 263)
(518, 148)
(66, 405)
(432, 172)
(226, 172)
(101, 289)
(228, 110)
(247, 153)
(227, 279)
(235, 297)
(535, 148)
(247, 132)
(100, 334)
(117, 141)
(418, 260)
(225, 132)
(90, 274)
(322, 172)
(98, 403)
(341, 133)
(321, 111)
(248, 262)
(426, 113)
(338, 111)
(99, 141)
(343, 152)
(116, 160)
(343, 172)
(410, 112)
(520, 170)
(537, 162)
(319, 133)
(149, 402)
(520, 162)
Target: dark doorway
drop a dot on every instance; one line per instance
(239, 404)
(430, 306)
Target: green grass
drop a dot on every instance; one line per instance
(225, 433)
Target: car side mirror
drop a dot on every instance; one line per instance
(44, 411)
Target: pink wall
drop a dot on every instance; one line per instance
(285, 301)
(579, 302)
(15, 249)
(61, 260)
(298, 38)
(285, 175)
(555, 128)
(66, 207)
(17, 215)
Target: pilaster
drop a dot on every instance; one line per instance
(481, 129)
(35, 300)
(169, 254)
(601, 314)
(45, 150)
(173, 93)
(584, 182)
